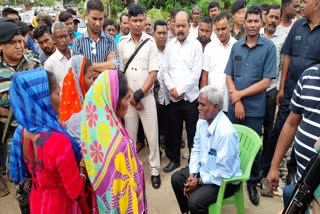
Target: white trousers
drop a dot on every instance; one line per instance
(149, 121)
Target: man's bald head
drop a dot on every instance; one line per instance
(182, 26)
(182, 15)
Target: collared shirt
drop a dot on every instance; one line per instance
(305, 102)
(303, 45)
(76, 35)
(170, 36)
(96, 51)
(182, 67)
(146, 60)
(248, 66)
(56, 64)
(193, 31)
(278, 39)
(240, 35)
(215, 151)
(215, 59)
(118, 37)
(163, 94)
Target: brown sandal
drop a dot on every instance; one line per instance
(3, 188)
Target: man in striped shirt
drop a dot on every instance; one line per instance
(302, 127)
(95, 44)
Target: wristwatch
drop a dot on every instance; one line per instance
(199, 181)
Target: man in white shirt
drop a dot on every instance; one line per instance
(215, 58)
(57, 61)
(141, 73)
(290, 8)
(205, 31)
(160, 35)
(196, 15)
(182, 70)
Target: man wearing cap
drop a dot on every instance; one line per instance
(238, 11)
(12, 60)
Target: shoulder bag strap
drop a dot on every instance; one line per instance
(134, 54)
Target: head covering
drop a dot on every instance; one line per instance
(73, 90)
(113, 166)
(237, 5)
(32, 108)
(8, 29)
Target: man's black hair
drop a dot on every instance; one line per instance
(64, 16)
(254, 10)
(40, 31)
(135, 10)
(273, 7)
(213, 4)
(108, 22)
(221, 16)
(207, 20)
(8, 10)
(174, 12)
(265, 7)
(159, 22)
(122, 15)
(72, 11)
(94, 5)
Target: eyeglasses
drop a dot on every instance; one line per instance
(93, 48)
(62, 37)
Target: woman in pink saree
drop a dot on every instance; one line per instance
(113, 166)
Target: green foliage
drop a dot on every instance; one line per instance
(166, 5)
(156, 14)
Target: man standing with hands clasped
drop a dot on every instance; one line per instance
(251, 66)
(141, 73)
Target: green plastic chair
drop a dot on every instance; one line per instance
(250, 144)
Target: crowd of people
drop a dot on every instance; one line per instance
(80, 106)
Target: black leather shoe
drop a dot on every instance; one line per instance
(253, 195)
(156, 181)
(171, 166)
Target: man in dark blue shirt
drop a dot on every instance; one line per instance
(301, 50)
(251, 66)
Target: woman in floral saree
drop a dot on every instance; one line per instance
(113, 166)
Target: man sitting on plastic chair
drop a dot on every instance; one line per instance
(214, 156)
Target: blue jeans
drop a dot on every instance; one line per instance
(287, 191)
(254, 123)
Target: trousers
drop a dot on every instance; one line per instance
(149, 121)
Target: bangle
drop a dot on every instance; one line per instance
(138, 95)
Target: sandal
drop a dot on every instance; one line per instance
(265, 191)
(3, 189)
